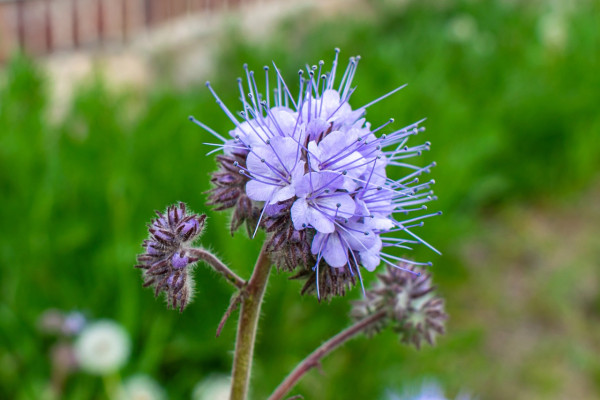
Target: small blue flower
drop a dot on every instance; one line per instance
(273, 167)
(321, 201)
(316, 161)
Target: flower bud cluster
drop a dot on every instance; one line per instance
(167, 260)
(331, 281)
(228, 191)
(407, 297)
(288, 247)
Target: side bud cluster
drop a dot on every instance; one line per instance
(287, 246)
(229, 191)
(167, 260)
(410, 304)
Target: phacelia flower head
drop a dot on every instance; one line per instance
(313, 173)
(167, 260)
(407, 297)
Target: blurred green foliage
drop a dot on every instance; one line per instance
(512, 117)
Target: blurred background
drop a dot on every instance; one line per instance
(94, 136)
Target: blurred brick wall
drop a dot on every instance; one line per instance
(44, 26)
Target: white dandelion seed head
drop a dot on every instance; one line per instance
(141, 387)
(102, 347)
(214, 387)
(552, 31)
(462, 28)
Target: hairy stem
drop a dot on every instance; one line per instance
(246, 334)
(218, 266)
(314, 359)
(236, 299)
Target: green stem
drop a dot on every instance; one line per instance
(111, 382)
(246, 334)
(314, 359)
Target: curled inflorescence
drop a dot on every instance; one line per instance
(407, 297)
(311, 171)
(167, 260)
(229, 190)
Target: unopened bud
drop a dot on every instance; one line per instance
(407, 296)
(165, 263)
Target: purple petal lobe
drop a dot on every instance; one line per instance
(282, 194)
(178, 261)
(320, 220)
(190, 227)
(259, 191)
(299, 214)
(334, 251)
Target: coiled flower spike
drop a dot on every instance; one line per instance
(167, 261)
(407, 297)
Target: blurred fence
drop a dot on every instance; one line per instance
(44, 26)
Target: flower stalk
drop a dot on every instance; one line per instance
(314, 359)
(247, 324)
(218, 266)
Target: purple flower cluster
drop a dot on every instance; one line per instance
(320, 164)
(167, 258)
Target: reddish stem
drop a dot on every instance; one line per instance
(314, 359)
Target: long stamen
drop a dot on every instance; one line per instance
(333, 69)
(301, 87)
(207, 128)
(388, 94)
(287, 91)
(408, 221)
(391, 264)
(422, 241)
(266, 68)
(316, 267)
(342, 101)
(222, 105)
(324, 186)
(345, 75)
(251, 88)
(321, 63)
(242, 94)
(362, 285)
(253, 126)
(372, 169)
(324, 77)
(258, 222)
(221, 147)
(353, 66)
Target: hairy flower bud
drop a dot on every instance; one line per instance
(407, 296)
(229, 191)
(288, 247)
(328, 283)
(166, 262)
